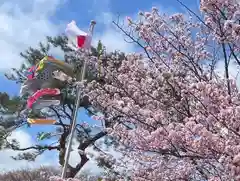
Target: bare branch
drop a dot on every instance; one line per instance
(37, 147)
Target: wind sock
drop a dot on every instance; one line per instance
(43, 77)
(42, 81)
(62, 76)
(77, 38)
(31, 100)
(68, 69)
(30, 86)
(41, 121)
(42, 103)
(43, 136)
(31, 72)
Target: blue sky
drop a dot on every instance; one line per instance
(84, 11)
(34, 19)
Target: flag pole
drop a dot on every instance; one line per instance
(65, 166)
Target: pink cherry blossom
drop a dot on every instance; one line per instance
(174, 115)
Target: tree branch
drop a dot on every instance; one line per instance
(37, 147)
(90, 141)
(59, 117)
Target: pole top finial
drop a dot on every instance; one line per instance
(93, 22)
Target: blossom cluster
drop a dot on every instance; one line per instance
(176, 117)
(222, 17)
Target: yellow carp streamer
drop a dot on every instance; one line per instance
(41, 121)
(49, 59)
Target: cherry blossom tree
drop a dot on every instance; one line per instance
(175, 116)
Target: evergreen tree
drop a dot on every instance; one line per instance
(12, 107)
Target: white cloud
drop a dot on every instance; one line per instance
(24, 24)
(111, 36)
(25, 140)
(113, 40)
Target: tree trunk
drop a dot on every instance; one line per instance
(72, 172)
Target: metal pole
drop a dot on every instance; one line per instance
(71, 135)
(65, 166)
